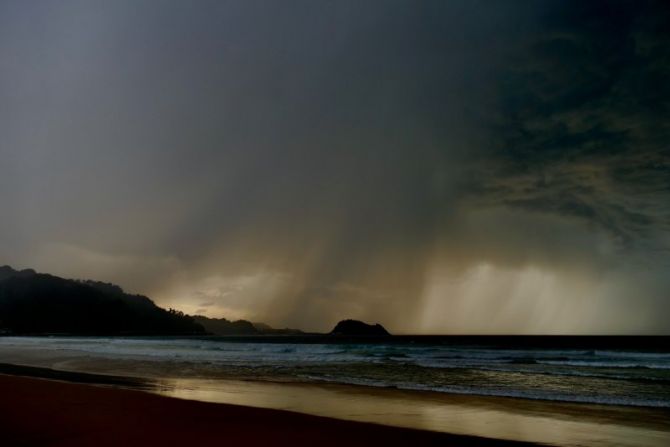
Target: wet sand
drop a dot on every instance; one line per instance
(534, 421)
(434, 414)
(43, 412)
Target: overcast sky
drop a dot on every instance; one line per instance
(439, 167)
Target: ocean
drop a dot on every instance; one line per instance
(623, 371)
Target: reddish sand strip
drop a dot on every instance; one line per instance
(37, 412)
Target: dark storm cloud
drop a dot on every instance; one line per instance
(301, 162)
(585, 121)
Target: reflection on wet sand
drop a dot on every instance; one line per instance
(502, 418)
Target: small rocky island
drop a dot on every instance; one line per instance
(358, 328)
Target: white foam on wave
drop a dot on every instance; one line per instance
(530, 374)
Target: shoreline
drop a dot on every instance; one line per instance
(147, 369)
(493, 419)
(52, 412)
(37, 372)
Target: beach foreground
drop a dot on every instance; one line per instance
(38, 412)
(248, 375)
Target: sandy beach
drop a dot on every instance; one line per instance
(49, 394)
(42, 412)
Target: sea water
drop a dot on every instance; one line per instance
(569, 372)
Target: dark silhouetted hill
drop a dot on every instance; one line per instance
(266, 329)
(356, 328)
(35, 303)
(221, 326)
(8, 272)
